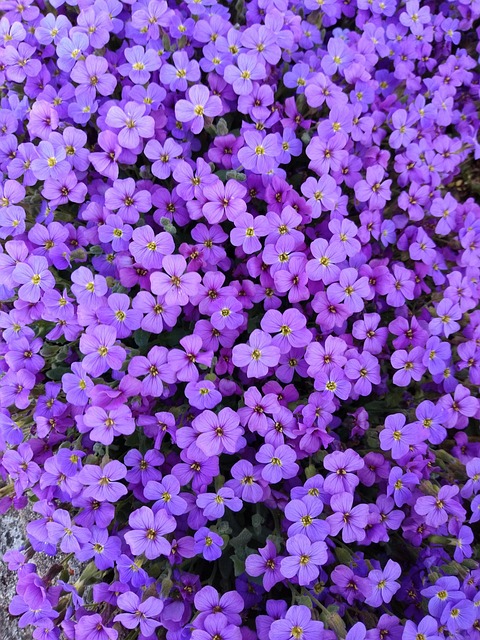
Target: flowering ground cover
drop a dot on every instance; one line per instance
(240, 323)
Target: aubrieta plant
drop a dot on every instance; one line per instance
(240, 322)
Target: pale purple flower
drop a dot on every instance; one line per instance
(198, 105)
(164, 156)
(34, 277)
(180, 73)
(304, 559)
(384, 585)
(258, 355)
(350, 520)
(289, 327)
(139, 613)
(240, 75)
(147, 532)
(149, 248)
(259, 152)
(374, 189)
(132, 124)
(279, 462)
(100, 351)
(177, 284)
(140, 63)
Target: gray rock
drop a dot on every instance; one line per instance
(12, 536)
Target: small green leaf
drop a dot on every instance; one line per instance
(141, 338)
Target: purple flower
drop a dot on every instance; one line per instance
(257, 356)
(208, 543)
(260, 151)
(334, 382)
(384, 585)
(104, 549)
(166, 495)
(105, 161)
(302, 514)
(350, 585)
(266, 564)
(448, 313)
(176, 285)
(247, 232)
(198, 105)
(415, 17)
(304, 559)
(373, 190)
(397, 437)
(70, 536)
(88, 288)
(436, 509)
(472, 486)
(77, 385)
(213, 504)
(240, 76)
(458, 615)
(409, 364)
(245, 481)
(92, 627)
(324, 266)
(427, 627)
(164, 156)
(218, 432)
(446, 589)
(203, 394)
(91, 74)
(149, 248)
(155, 369)
(180, 73)
(225, 200)
(34, 277)
(138, 613)
(100, 351)
(102, 483)
(431, 417)
(289, 327)
(124, 198)
(139, 64)
(327, 155)
(279, 462)
(148, 531)
(297, 624)
(131, 123)
(351, 521)
(365, 371)
(400, 485)
(351, 290)
(106, 425)
(227, 606)
(341, 464)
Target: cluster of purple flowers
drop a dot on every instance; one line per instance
(240, 323)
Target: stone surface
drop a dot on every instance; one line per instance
(12, 536)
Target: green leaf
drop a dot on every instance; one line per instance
(238, 565)
(242, 539)
(141, 338)
(56, 373)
